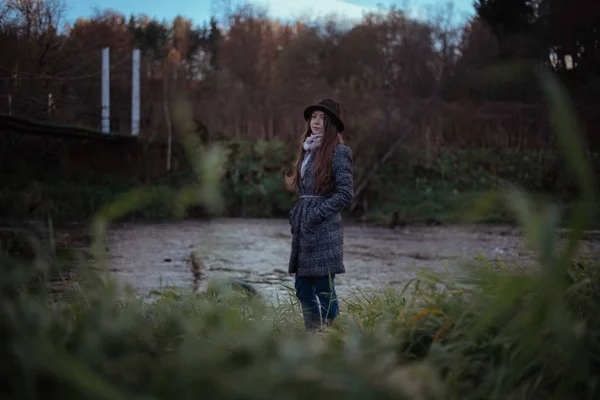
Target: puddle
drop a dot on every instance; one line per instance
(258, 252)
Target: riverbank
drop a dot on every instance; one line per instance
(413, 186)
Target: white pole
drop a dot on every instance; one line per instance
(135, 93)
(105, 91)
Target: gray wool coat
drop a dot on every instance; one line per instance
(316, 222)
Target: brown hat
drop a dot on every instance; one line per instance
(329, 106)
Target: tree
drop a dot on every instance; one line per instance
(213, 43)
(513, 23)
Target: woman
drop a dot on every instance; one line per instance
(322, 176)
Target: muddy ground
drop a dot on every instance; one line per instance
(147, 256)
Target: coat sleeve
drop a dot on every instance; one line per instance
(343, 192)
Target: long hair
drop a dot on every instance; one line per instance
(324, 155)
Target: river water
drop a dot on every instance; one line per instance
(148, 256)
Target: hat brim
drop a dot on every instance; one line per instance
(338, 122)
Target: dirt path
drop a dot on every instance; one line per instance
(258, 250)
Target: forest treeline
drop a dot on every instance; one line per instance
(248, 75)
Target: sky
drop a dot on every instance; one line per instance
(200, 11)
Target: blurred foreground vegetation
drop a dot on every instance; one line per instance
(489, 335)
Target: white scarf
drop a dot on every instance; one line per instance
(311, 143)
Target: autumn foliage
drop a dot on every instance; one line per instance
(249, 75)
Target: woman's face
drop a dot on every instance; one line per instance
(317, 122)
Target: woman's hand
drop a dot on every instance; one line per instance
(314, 218)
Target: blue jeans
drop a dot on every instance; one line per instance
(308, 289)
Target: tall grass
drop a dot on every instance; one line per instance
(489, 334)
